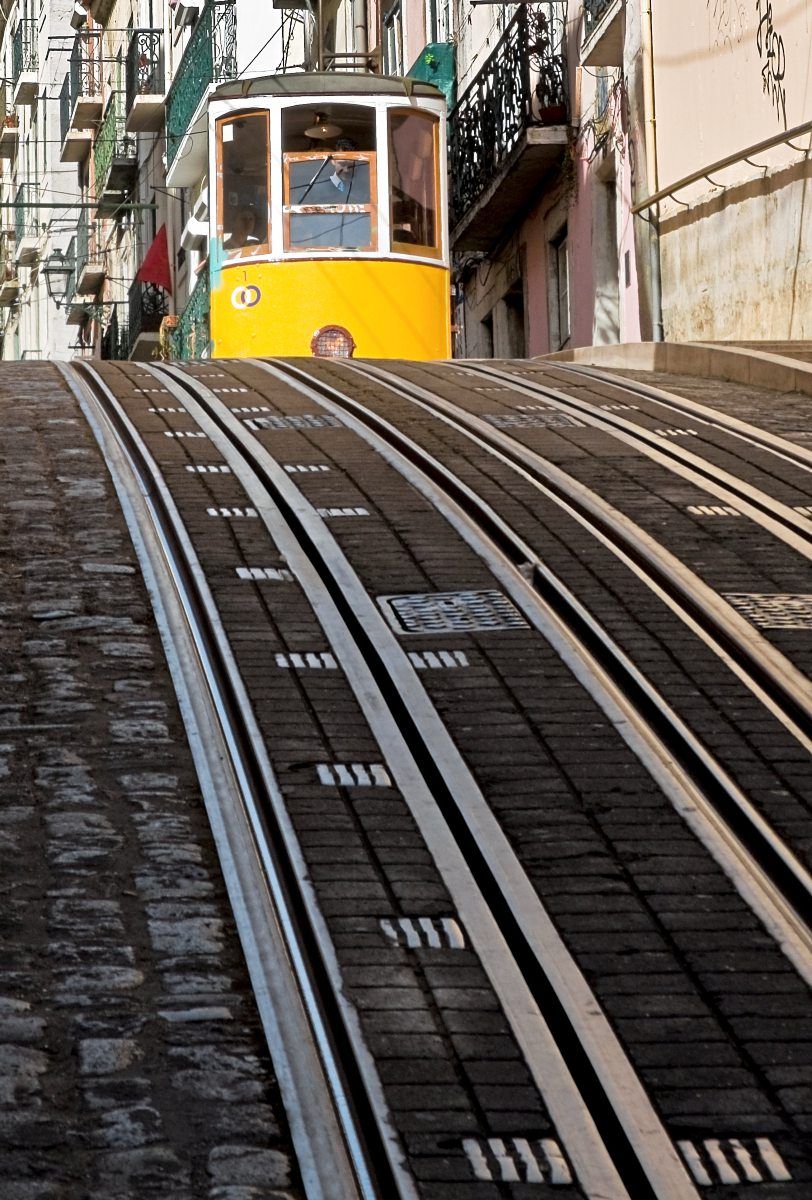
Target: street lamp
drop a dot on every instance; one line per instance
(57, 271)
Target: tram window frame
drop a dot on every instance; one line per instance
(240, 253)
(288, 210)
(416, 249)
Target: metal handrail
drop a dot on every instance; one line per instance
(777, 139)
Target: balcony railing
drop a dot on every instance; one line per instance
(89, 256)
(26, 223)
(145, 72)
(148, 304)
(594, 11)
(115, 342)
(24, 55)
(522, 84)
(190, 338)
(210, 57)
(86, 65)
(70, 257)
(113, 144)
(65, 106)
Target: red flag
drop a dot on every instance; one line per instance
(155, 267)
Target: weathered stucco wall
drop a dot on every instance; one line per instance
(736, 253)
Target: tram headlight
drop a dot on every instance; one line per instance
(332, 341)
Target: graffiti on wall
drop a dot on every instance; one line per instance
(773, 55)
(727, 21)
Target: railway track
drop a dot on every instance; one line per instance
(596, 1129)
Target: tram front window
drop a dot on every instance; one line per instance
(329, 201)
(413, 156)
(242, 147)
(329, 178)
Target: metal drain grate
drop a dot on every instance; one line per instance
(316, 661)
(734, 1160)
(713, 510)
(417, 933)
(518, 1160)
(305, 421)
(544, 418)
(778, 611)
(273, 574)
(451, 612)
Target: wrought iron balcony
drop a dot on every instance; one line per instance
(24, 61)
(90, 270)
(9, 130)
(115, 341)
(509, 128)
(75, 142)
(114, 156)
(149, 304)
(145, 82)
(603, 33)
(191, 337)
(86, 78)
(9, 281)
(27, 224)
(210, 57)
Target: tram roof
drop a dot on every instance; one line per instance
(326, 83)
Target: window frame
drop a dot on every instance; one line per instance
(260, 248)
(288, 209)
(413, 249)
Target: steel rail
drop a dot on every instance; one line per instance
(779, 519)
(312, 1042)
(799, 456)
(737, 836)
(759, 664)
(574, 1056)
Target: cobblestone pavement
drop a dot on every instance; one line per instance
(132, 1063)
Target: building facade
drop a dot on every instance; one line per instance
(573, 128)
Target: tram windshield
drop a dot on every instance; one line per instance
(329, 178)
(243, 157)
(414, 182)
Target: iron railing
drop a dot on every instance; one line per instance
(148, 305)
(24, 56)
(70, 257)
(65, 107)
(145, 71)
(115, 341)
(87, 243)
(25, 212)
(593, 14)
(191, 336)
(522, 83)
(210, 57)
(112, 141)
(86, 65)
(8, 267)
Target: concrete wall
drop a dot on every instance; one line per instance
(737, 258)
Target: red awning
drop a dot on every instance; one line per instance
(155, 267)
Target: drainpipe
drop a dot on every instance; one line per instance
(360, 43)
(652, 171)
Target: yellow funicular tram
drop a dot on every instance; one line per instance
(328, 230)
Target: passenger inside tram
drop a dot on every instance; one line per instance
(244, 191)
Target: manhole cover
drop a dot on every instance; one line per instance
(305, 421)
(541, 419)
(778, 611)
(451, 612)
